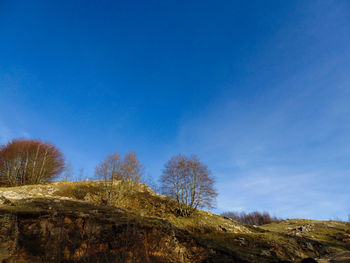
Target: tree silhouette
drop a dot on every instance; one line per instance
(189, 182)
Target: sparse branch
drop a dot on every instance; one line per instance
(115, 168)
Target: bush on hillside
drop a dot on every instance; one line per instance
(253, 218)
(25, 162)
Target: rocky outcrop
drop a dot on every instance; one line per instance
(98, 235)
(68, 222)
(343, 257)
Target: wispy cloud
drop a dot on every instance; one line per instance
(288, 153)
(287, 192)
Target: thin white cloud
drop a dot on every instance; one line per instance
(287, 192)
(288, 154)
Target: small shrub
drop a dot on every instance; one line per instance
(79, 190)
(253, 218)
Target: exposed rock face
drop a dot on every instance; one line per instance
(67, 222)
(98, 237)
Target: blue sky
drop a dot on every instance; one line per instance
(259, 90)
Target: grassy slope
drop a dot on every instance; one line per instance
(283, 240)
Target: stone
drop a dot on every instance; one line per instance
(265, 252)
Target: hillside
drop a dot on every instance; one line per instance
(66, 222)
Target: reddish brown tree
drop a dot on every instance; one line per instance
(114, 167)
(110, 168)
(131, 167)
(189, 182)
(29, 162)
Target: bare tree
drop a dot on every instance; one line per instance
(67, 174)
(131, 167)
(29, 162)
(109, 170)
(81, 175)
(189, 182)
(114, 168)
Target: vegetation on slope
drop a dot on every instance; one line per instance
(285, 240)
